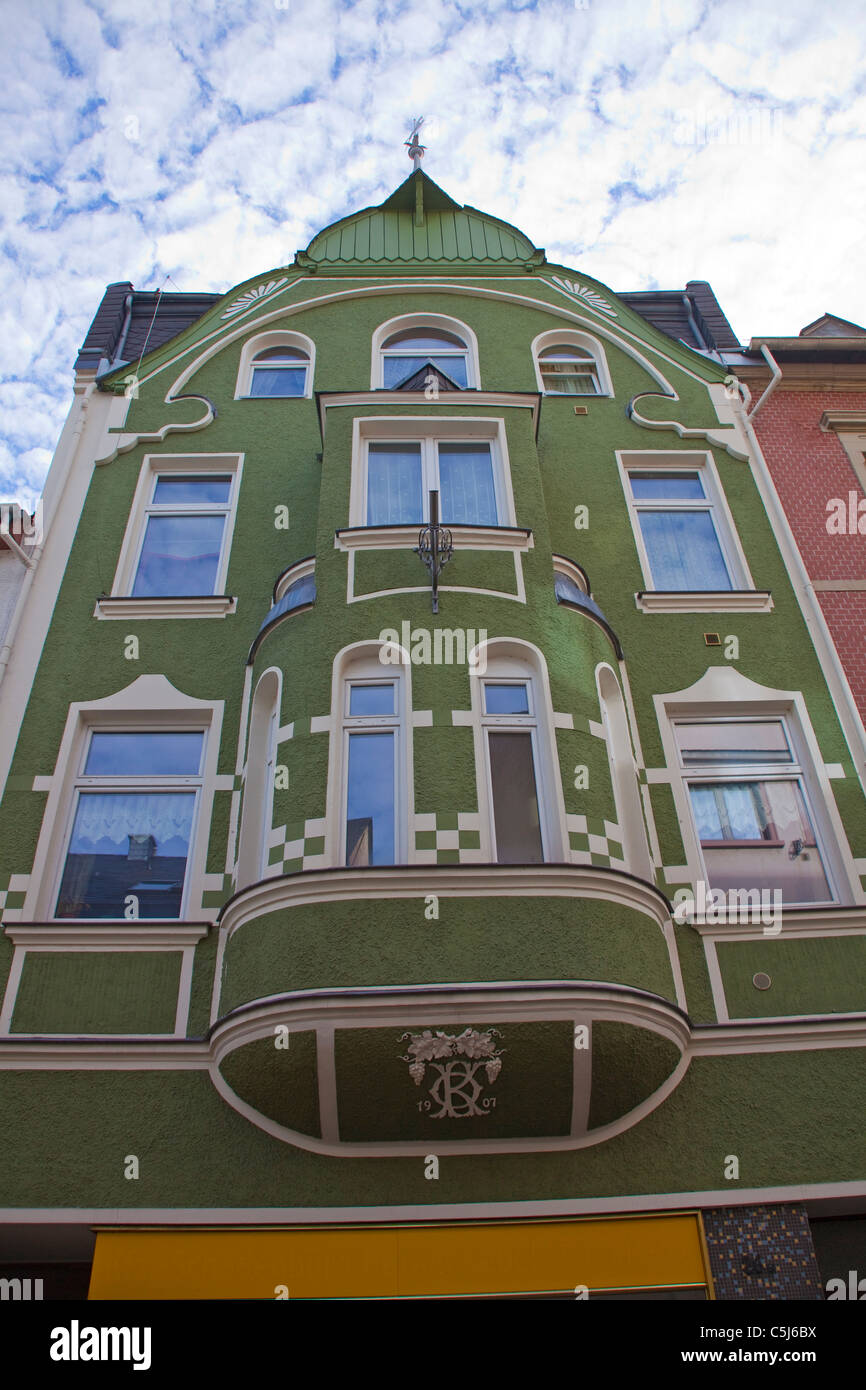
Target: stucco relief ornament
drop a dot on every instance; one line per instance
(588, 296)
(244, 301)
(456, 1059)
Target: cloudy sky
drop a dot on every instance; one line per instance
(645, 142)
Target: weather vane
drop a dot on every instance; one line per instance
(416, 149)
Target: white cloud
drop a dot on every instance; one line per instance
(647, 142)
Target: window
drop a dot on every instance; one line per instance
(276, 364)
(259, 781)
(183, 535)
(132, 824)
(750, 808)
(280, 371)
(372, 756)
(522, 814)
(510, 733)
(570, 363)
(405, 349)
(685, 539)
(407, 353)
(623, 775)
(400, 477)
(568, 371)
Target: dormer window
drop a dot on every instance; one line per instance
(279, 371)
(568, 371)
(570, 363)
(414, 351)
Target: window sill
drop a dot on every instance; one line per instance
(704, 601)
(176, 606)
(406, 537)
(86, 932)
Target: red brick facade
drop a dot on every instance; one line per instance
(810, 467)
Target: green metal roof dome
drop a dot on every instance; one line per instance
(421, 226)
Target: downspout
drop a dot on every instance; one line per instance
(117, 355)
(777, 377)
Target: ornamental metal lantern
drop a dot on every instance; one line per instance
(435, 547)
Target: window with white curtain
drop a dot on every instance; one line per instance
(682, 534)
(132, 822)
(400, 476)
(750, 808)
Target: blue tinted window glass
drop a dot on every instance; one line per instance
(143, 754)
(567, 590)
(394, 485)
(127, 843)
(506, 699)
(396, 370)
(684, 550)
(278, 381)
(467, 491)
(199, 490)
(180, 555)
(371, 699)
(666, 486)
(370, 807)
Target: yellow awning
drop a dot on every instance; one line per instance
(400, 1261)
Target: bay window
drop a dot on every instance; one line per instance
(400, 475)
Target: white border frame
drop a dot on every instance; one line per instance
(722, 691)
(406, 321)
(133, 538)
(687, 461)
(572, 337)
(149, 702)
(260, 342)
(508, 660)
(426, 429)
(361, 662)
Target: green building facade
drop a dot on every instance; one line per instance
(353, 948)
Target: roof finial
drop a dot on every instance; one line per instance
(416, 149)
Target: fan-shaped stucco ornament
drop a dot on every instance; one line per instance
(588, 296)
(244, 301)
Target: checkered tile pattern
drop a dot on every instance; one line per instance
(449, 837)
(597, 842)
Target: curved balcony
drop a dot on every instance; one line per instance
(466, 1007)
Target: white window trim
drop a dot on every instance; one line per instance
(504, 661)
(441, 321)
(361, 663)
(623, 773)
(585, 343)
(427, 431)
(571, 571)
(149, 703)
(186, 606)
(302, 570)
(686, 601)
(722, 692)
(261, 342)
(258, 795)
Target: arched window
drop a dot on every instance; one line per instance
(370, 796)
(414, 350)
(568, 371)
(408, 349)
(623, 775)
(279, 371)
(259, 783)
(274, 365)
(571, 364)
(520, 795)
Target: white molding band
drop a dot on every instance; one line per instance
(705, 601)
(204, 606)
